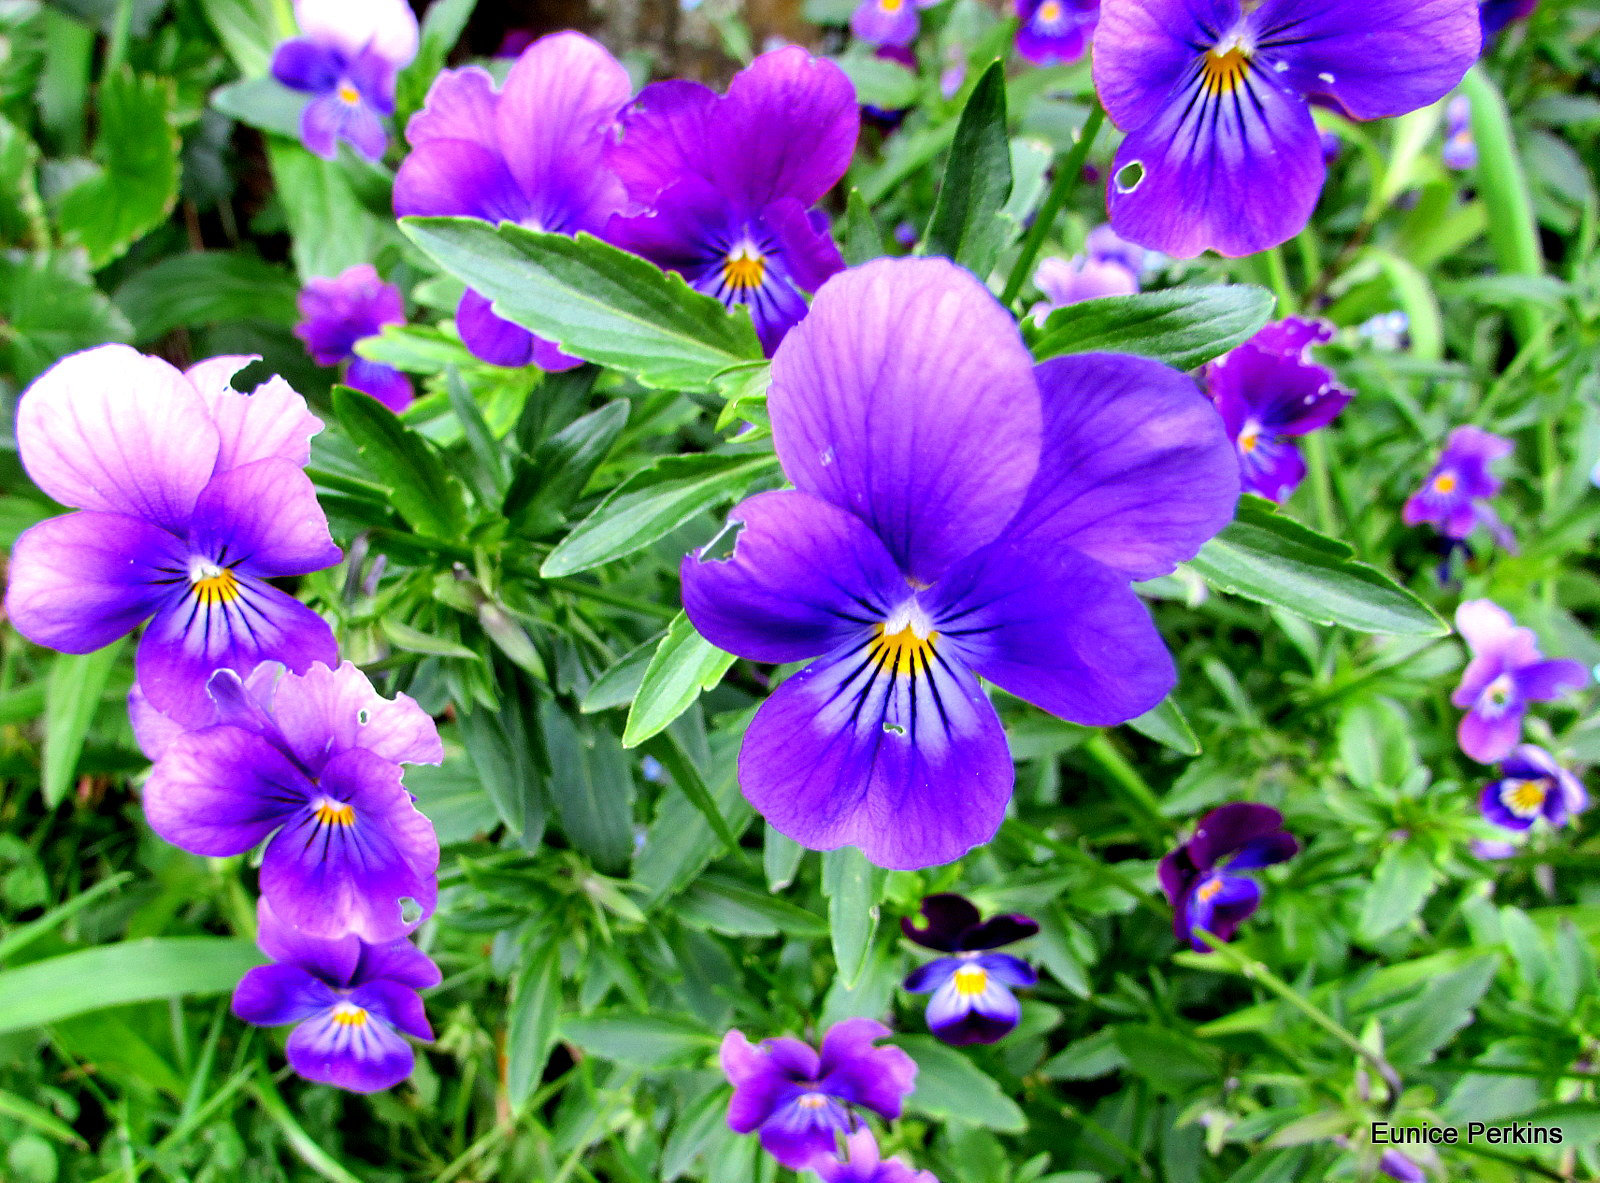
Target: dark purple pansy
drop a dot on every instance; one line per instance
(957, 512)
(351, 1002)
(864, 1163)
(1497, 14)
(1460, 149)
(346, 58)
(887, 22)
(1506, 673)
(1268, 391)
(310, 764)
(724, 186)
(1053, 32)
(1454, 497)
(801, 1100)
(1205, 880)
(192, 496)
(532, 152)
(972, 1000)
(352, 306)
(1215, 97)
(1532, 785)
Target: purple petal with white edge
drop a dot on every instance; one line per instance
(1136, 471)
(805, 243)
(112, 430)
(79, 581)
(1551, 679)
(1005, 929)
(460, 106)
(399, 1006)
(907, 398)
(1144, 50)
(220, 791)
(931, 976)
(1513, 803)
(803, 578)
(1376, 59)
(1230, 828)
(264, 519)
(948, 915)
(1284, 394)
(326, 711)
(854, 1069)
(489, 337)
(386, 27)
(307, 66)
(1488, 737)
(458, 177)
(272, 995)
(1232, 164)
(361, 1054)
(884, 22)
(335, 960)
(397, 961)
(1056, 628)
(273, 420)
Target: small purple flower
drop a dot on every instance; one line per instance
(1202, 878)
(972, 1000)
(351, 1002)
(887, 22)
(310, 764)
(866, 1164)
(1532, 785)
(890, 118)
(1054, 32)
(1215, 95)
(349, 308)
(532, 152)
(1268, 391)
(1332, 146)
(1108, 267)
(800, 1100)
(1460, 149)
(346, 59)
(1398, 1166)
(957, 512)
(192, 496)
(724, 185)
(1497, 14)
(1453, 498)
(1506, 673)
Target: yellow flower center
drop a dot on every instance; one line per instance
(1208, 890)
(1524, 797)
(903, 651)
(1049, 12)
(349, 95)
(1225, 68)
(1250, 438)
(212, 584)
(347, 1014)
(329, 812)
(812, 1101)
(745, 268)
(1445, 482)
(971, 980)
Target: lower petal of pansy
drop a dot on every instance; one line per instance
(972, 1007)
(804, 1128)
(350, 1049)
(1220, 905)
(1488, 736)
(220, 791)
(489, 337)
(1270, 467)
(399, 1006)
(384, 383)
(320, 124)
(271, 995)
(362, 128)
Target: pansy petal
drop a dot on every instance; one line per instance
(1493, 804)
(1486, 627)
(855, 1069)
(271, 995)
(272, 420)
(264, 518)
(307, 66)
(931, 976)
(948, 915)
(803, 577)
(220, 791)
(458, 177)
(906, 397)
(799, 1136)
(759, 1085)
(884, 22)
(387, 27)
(663, 137)
(489, 337)
(1230, 828)
(333, 959)
(460, 106)
(962, 1019)
(364, 1057)
(1222, 913)
(399, 1006)
(326, 711)
(321, 123)
(1005, 929)
(1488, 738)
(1144, 50)
(810, 255)
(1546, 680)
(1008, 970)
(397, 961)
(1266, 851)
(384, 383)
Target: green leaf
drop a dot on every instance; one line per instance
(735, 909)
(1172, 1062)
(619, 685)
(51, 308)
(206, 288)
(535, 1010)
(853, 887)
(22, 219)
(406, 464)
(651, 504)
(952, 1088)
(862, 240)
(1165, 723)
(652, 1042)
(684, 666)
(1273, 559)
(490, 473)
(965, 224)
(113, 975)
(879, 82)
(591, 788)
(1404, 880)
(249, 30)
(441, 29)
(329, 207)
(1184, 327)
(1503, 186)
(1375, 744)
(499, 746)
(136, 184)
(595, 301)
(72, 695)
(553, 478)
(780, 858)
(262, 103)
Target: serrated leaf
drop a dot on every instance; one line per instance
(405, 463)
(1184, 327)
(965, 224)
(684, 666)
(206, 288)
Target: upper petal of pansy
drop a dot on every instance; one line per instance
(271, 995)
(1144, 50)
(1489, 630)
(662, 138)
(271, 420)
(1004, 929)
(458, 178)
(1232, 163)
(1136, 470)
(264, 518)
(856, 1070)
(878, 747)
(79, 581)
(327, 711)
(220, 791)
(363, 1055)
(1230, 828)
(803, 577)
(907, 398)
(460, 106)
(1056, 628)
(1375, 59)
(307, 66)
(333, 959)
(113, 430)
(387, 27)
(948, 915)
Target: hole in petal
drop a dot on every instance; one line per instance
(1129, 177)
(410, 911)
(720, 549)
(363, 716)
(893, 729)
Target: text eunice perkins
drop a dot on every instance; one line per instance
(1521, 1133)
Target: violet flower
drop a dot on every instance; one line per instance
(347, 58)
(972, 1000)
(1268, 391)
(1532, 785)
(887, 22)
(531, 152)
(1054, 32)
(192, 496)
(1497, 14)
(352, 1001)
(801, 1100)
(1506, 673)
(1453, 498)
(1202, 877)
(310, 764)
(724, 185)
(866, 1164)
(1460, 149)
(957, 512)
(1215, 95)
(1398, 1166)
(351, 307)
(1108, 266)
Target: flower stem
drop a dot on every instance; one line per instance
(1278, 277)
(1125, 779)
(1066, 178)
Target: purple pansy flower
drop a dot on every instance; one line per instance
(1215, 96)
(724, 185)
(532, 153)
(352, 1001)
(1532, 785)
(972, 1000)
(1267, 391)
(346, 59)
(865, 1164)
(337, 313)
(957, 512)
(1051, 32)
(1497, 14)
(887, 22)
(1506, 673)
(1109, 266)
(1202, 877)
(192, 496)
(1460, 149)
(310, 764)
(801, 1100)
(1454, 495)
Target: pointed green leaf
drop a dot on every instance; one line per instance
(1184, 327)
(684, 665)
(965, 224)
